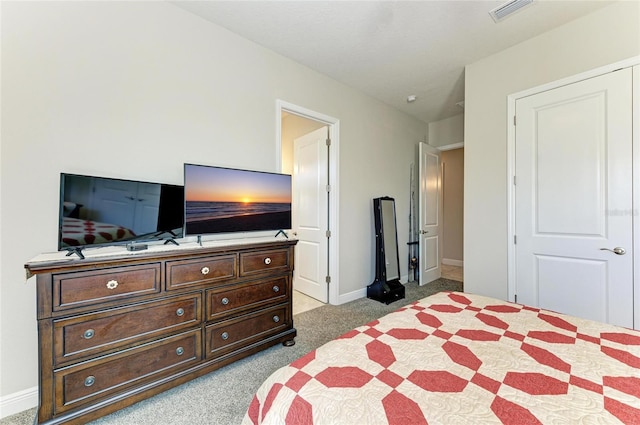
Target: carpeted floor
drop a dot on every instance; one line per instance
(222, 397)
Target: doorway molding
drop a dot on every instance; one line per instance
(511, 163)
(334, 134)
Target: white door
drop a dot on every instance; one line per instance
(133, 205)
(114, 201)
(310, 220)
(147, 208)
(429, 213)
(573, 199)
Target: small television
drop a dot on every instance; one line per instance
(98, 211)
(228, 200)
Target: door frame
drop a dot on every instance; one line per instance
(334, 135)
(511, 162)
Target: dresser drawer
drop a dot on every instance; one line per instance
(226, 301)
(89, 382)
(98, 333)
(77, 289)
(262, 261)
(184, 273)
(237, 333)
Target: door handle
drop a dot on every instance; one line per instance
(617, 250)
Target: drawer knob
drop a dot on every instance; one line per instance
(276, 288)
(267, 261)
(180, 312)
(88, 334)
(112, 284)
(205, 270)
(179, 351)
(89, 381)
(225, 336)
(276, 319)
(225, 301)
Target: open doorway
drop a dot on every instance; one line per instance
(453, 208)
(308, 151)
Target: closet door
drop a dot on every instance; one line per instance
(573, 197)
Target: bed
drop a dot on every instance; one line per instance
(456, 358)
(78, 232)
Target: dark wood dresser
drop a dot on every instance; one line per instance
(115, 330)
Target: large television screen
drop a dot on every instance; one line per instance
(228, 200)
(98, 211)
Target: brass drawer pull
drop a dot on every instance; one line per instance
(225, 301)
(112, 284)
(276, 319)
(89, 381)
(180, 312)
(267, 261)
(179, 351)
(225, 336)
(205, 270)
(276, 288)
(88, 334)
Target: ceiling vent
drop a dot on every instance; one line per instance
(505, 10)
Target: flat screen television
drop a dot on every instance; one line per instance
(228, 200)
(97, 211)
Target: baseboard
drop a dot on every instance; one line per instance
(18, 402)
(361, 293)
(449, 262)
(352, 296)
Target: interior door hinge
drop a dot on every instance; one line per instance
(514, 180)
(328, 142)
(514, 120)
(327, 279)
(328, 188)
(515, 298)
(328, 233)
(515, 239)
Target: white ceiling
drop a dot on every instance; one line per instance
(391, 49)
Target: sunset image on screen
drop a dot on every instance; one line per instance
(231, 200)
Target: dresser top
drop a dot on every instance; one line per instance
(115, 254)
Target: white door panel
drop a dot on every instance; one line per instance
(147, 207)
(560, 279)
(429, 213)
(574, 197)
(310, 214)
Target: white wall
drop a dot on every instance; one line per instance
(449, 131)
(606, 36)
(135, 89)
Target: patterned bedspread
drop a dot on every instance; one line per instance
(455, 358)
(77, 232)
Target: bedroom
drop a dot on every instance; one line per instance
(65, 99)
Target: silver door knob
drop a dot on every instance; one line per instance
(617, 250)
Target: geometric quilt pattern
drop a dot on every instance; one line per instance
(77, 232)
(456, 358)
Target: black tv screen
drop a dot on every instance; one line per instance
(97, 211)
(228, 200)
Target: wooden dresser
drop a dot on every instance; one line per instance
(119, 329)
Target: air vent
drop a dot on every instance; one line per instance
(503, 11)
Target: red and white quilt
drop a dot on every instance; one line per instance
(455, 358)
(77, 232)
